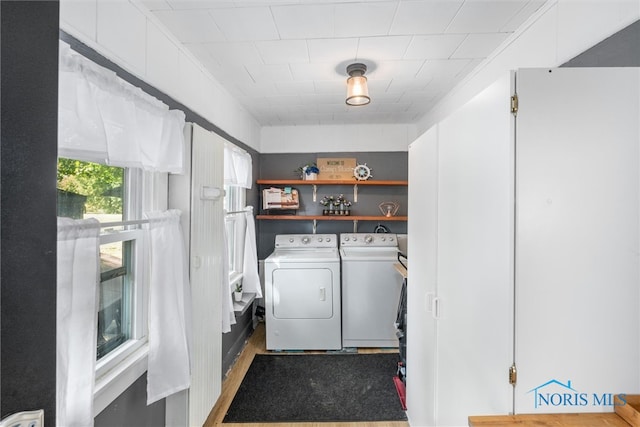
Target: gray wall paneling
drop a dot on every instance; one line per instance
(29, 120)
(620, 50)
(125, 411)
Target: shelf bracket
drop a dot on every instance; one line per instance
(355, 194)
(355, 225)
(315, 225)
(315, 192)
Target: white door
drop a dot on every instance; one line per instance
(475, 258)
(421, 278)
(460, 286)
(577, 269)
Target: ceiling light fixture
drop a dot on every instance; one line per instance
(357, 91)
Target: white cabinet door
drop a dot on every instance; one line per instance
(460, 288)
(475, 258)
(577, 269)
(421, 283)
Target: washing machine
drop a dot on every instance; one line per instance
(371, 288)
(302, 293)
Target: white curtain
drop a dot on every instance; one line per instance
(78, 273)
(250, 277)
(169, 369)
(102, 118)
(237, 166)
(228, 315)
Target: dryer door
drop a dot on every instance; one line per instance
(302, 293)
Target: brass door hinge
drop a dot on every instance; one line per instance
(513, 375)
(514, 104)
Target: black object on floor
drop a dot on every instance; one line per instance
(317, 388)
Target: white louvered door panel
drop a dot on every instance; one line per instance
(203, 224)
(207, 239)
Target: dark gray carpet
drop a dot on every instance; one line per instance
(317, 388)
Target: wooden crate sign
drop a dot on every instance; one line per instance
(336, 168)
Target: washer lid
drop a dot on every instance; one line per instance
(304, 255)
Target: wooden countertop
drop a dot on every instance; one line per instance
(552, 420)
(627, 414)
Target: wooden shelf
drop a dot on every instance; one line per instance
(333, 217)
(315, 183)
(315, 218)
(329, 182)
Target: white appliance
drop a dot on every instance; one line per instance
(302, 293)
(523, 226)
(370, 289)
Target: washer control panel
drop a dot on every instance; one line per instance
(368, 239)
(306, 241)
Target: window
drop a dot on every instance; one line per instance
(110, 194)
(114, 311)
(234, 204)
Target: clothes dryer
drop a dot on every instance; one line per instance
(302, 293)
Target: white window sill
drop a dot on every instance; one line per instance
(240, 307)
(114, 382)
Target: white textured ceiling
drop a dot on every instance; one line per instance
(285, 60)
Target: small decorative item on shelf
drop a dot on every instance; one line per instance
(389, 209)
(327, 202)
(362, 172)
(308, 172)
(237, 293)
(335, 205)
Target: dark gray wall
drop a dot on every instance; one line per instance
(620, 50)
(233, 341)
(28, 161)
(384, 166)
(125, 411)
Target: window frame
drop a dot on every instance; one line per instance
(117, 370)
(139, 332)
(235, 204)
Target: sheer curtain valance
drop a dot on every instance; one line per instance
(105, 119)
(237, 166)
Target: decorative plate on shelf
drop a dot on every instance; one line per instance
(362, 172)
(389, 208)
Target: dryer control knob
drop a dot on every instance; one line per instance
(319, 239)
(368, 238)
(290, 239)
(346, 239)
(305, 240)
(328, 239)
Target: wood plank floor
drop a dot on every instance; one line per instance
(257, 345)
